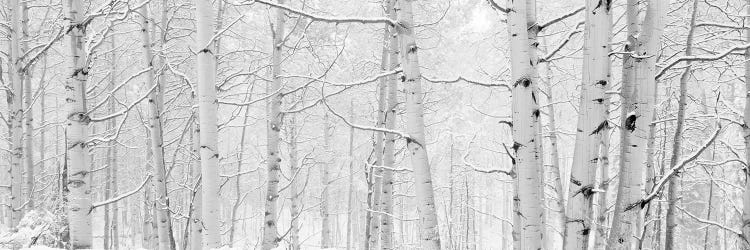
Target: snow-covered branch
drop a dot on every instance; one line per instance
(330, 19)
(122, 196)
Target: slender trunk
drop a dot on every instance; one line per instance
(637, 113)
(16, 117)
(207, 105)
(416, 143)
(325, 227)
(294, 194)
(108, 182)
(557, 203)
(386, 198)
(196, 225)
(592, 122)
(237, 190)
(156, 103)
(600, 214)
(528, 212)
(28, 114)
(746, 134)
(270, 234)
(350, 193)
(79, 189)
(672, 194)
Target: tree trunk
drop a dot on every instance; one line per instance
(28, 114)
(294, 194)
(350, 192)
(15, 117)
(78, 186)
(527, 228)
(416, 143)
(386, 198)
(270, 234)
(672, 198)
(556, 204)
(108, 192)
(592, 122)
(325, 227)
(207, 105)
(746, 133)
(156, 103)
(196, 225)
(638, 102)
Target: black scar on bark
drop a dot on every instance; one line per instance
(602, 126)
(601, 82)
(533, 97)
(536, 113)
(516, 146)
(524, 81)
(403, 78)
(630, 123)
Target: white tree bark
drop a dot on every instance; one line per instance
(294, 194)
(78, 186)
(325, 227)
(746, 133)
(417, 145)
(592, 122)
(207, 105)
(15, 119)
(527, 228)
(28, 114)
(637, 113)
(273, 160)
(673, 185)
(386, 198)
(196, 225)
(155, 104)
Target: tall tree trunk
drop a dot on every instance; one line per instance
(527, 228)
(156, 103)
(417, 145)
(108, 183)
(386, 198)
(637, 109)
(294, 194)
(28, 114)
(556, 204)
(602, 203)
(78, 186)
(16, 116)
(196, 225)
(746, 134)
(592, 122)
(325, 227)
(672, 194)
(238, 178)
(207, 105)
(270, 234)
(350, 192)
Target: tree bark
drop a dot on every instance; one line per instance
(78, 186)
(28, 114)
(672, 194)
(155, 104)
(386, 198)
(15, 117)
(417, 145)
(270, 233)
(294, 194)
(527, 228)
(207, 105)
(637, 113)
(325, 227)
(592, 122)
(746, 134)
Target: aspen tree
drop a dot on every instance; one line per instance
(386, 198)
(416, 143)
(672, 198)
(746, 133)
(294, 194)
(28, 115)
(325, 222)
(207, 105)
(156, 103)
(592, 122)
(15, 116)
(78, 186)
(527, 228)
(637, 110)
(273, 160)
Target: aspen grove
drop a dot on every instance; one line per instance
(377, 124)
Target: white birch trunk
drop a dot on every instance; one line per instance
(555, 235)
(196, 225)
(28, 114)
(592, 122)
(527, 228)
(637, 113)
(273, 160)
(350, 192)
(325, 227)
(672, 189)
(746, 133)
(15, 117)
(294, 194)
(429, 234)
(78, 186)
(155, 104)
(207, 105)
(386, 198)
